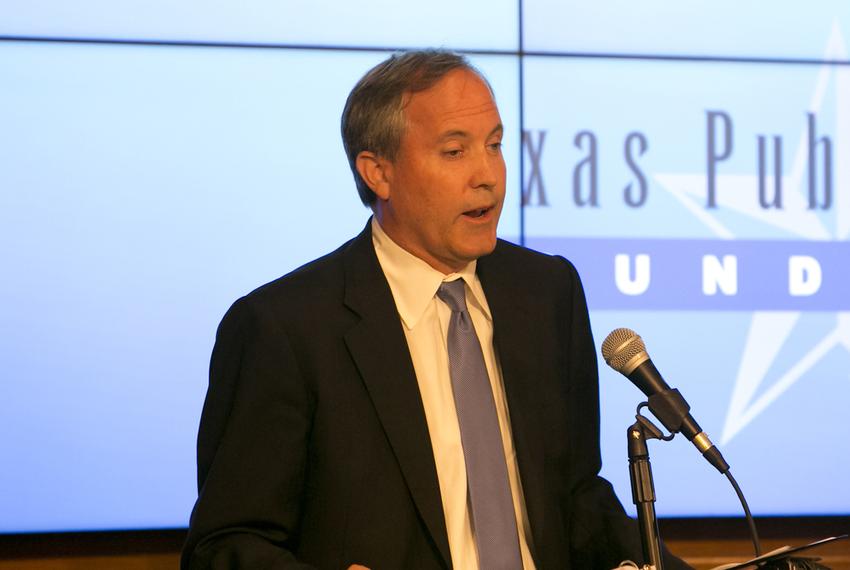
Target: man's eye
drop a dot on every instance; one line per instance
(495, 147)
(453, 153)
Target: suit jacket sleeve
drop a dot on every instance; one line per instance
(602, 535)
(252, 447)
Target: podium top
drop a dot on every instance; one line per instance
(778, 554)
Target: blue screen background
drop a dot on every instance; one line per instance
(159, 160)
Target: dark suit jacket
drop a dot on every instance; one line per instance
(313, 449)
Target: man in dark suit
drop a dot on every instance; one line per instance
(330, 436)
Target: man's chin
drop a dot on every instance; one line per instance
(479, 250)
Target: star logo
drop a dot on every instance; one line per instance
(769, 331)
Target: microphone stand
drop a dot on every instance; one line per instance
(643, 489)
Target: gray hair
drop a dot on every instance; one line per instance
(373, 118)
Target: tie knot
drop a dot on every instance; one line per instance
(453, 294)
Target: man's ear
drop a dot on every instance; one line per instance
(376, 171)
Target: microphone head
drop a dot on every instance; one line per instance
(624, 350)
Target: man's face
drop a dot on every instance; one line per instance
(445, 190)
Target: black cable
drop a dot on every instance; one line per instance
(750, 520)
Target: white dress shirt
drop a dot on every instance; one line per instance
(425, 320)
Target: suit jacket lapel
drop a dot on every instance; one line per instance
(379, 349)
(513, 337)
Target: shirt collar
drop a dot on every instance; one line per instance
(414, 283)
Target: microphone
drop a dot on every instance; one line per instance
(625, 352)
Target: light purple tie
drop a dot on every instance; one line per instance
(494, 523)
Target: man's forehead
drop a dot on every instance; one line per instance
(460, 94)
(461, 111)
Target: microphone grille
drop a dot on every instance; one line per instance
(620, 348)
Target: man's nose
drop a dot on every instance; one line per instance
(487, 171)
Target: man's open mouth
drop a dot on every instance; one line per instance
(477, 213)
